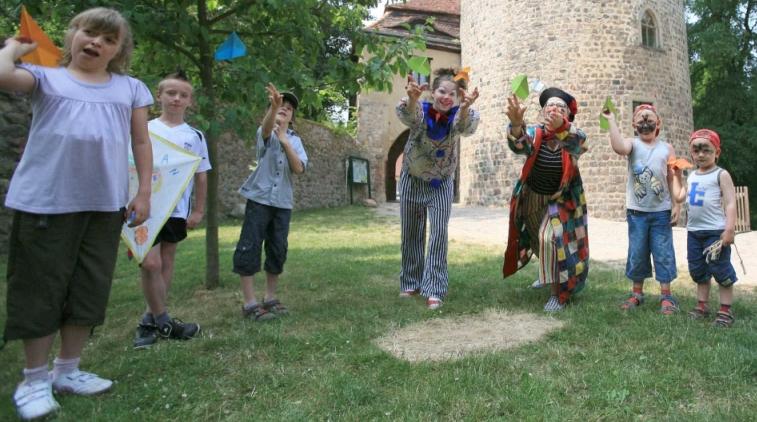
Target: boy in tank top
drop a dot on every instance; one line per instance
(711, 200)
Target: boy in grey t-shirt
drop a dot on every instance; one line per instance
(269, 196)
(649, 211)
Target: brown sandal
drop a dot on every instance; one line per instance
(698, 313)
(257, 313)
(632, 302)
(274, 306)
(723, 319)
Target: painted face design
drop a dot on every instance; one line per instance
(703, 152)
(645, 124)
(445, 95)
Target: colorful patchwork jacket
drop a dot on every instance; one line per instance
(431, 149)
(566, 209)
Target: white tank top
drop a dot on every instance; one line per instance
(705, 209)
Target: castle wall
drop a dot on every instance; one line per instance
(590, 49)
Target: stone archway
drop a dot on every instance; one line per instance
(393, 166)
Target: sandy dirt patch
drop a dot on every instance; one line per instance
(456, 337)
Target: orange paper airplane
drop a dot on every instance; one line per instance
(680, 163)
(463, 74)
(46, 53)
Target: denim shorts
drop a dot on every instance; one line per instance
(650, 233)
(700, 270)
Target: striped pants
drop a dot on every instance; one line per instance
(534, 208)
(418, 200)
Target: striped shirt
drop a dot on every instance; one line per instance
(547, 172)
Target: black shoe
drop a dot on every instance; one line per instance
(177, 329)
(147, 335)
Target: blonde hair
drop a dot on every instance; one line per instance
(107, 21)
(179, 75)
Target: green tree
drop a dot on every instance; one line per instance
(723, 64)
(308, 46)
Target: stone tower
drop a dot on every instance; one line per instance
(632, 50)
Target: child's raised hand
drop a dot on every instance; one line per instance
(414, 90)
(21, 45)
(515, 111)
(274, 96)
(468, 99)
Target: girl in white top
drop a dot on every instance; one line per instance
(70, 193)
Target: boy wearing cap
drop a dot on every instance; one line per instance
(548, 208)
(279, 153)
(710, 229)
(650, 213)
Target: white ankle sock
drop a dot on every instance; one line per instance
(35, 374)
(64, 366)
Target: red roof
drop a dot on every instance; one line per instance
(450, 7)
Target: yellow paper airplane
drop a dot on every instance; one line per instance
(46, 53)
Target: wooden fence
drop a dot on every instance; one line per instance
(742, 210)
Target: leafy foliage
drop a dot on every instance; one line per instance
(723, 63)
(311, 47)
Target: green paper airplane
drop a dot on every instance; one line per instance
(604, 124)
(520, 86)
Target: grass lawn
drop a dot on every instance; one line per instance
(321, 362)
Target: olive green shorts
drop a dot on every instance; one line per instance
(60, 269)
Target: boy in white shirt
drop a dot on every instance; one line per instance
(175, 95)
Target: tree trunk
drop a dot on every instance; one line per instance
(212, 274)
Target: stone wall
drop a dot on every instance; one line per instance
(322, 185)
(592, 50)
(15, 117)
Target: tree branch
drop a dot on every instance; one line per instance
(177, 48)
(233, 10)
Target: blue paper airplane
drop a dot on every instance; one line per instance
(232, 48)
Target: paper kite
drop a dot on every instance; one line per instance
(232, 48)
(520, 86)
(419, 65)
(680, 163)
(463, 74)
(46, 53)
(604, 124)
(173, 168)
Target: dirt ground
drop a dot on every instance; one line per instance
(454, 337)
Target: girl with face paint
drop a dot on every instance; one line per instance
(650, 212)
(427, 178)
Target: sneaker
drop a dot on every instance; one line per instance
(81, 383)
(537, 284)
(35, 399)
(146, 336)
(553, 305)
(433, 303)
(410, 293)
(178, 329)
